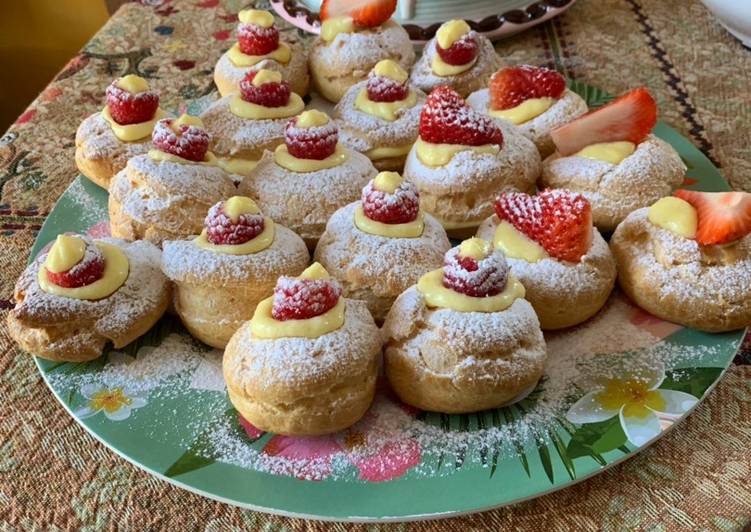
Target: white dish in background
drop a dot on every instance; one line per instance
(735, 16)
(493, 18)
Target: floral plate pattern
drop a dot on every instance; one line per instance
(612, 386)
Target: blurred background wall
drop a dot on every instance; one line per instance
(37, 37)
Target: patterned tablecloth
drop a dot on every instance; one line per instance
(52, 472)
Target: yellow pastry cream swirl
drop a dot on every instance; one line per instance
(333, 26)
(66, 252)
(235, 207)
(675, 215)
(436, 155)
(525, 111)
(516, 244)
(263, 324)
(437, 295)
(609, 152)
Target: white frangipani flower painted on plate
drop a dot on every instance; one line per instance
(644, 410)
(115, 403)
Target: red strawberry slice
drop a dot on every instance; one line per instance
(256, 40)
(382, 89)
(512, 86)
(628, 118)
(300, 299)
(400, 207)
(85, 272)
(222, 230)
(364, 13)
(447, 119)
(723, 216)
(128, 108)
(267, 95)
(190, 143)
(316, 142)
(559, 220)
(461, 52)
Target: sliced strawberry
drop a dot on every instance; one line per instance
(316, 142)
(267, 95)
(364, 13)
(300, 299)
(723, 216)
(447, 119)
(222, 230)
(128, 108)
(463, 51)
(400, 207)
(472, 277)
(88, 270)
(191, 142)
(382, 89)
(559, 220)
(628, 118)
(256, 40)
(512, 86)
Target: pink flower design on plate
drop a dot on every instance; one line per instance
(99, 230)
(376, 463)
(654, 325)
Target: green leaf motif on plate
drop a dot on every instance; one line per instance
(694, 381)
(595, 97)
(596, 439)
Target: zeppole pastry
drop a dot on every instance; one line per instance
(243, 125)
(687, 259)
(82, 294)
(107, 139)
(380, 246)
(464, 338)
(306, 364)
(222, 274)
(259, 47)
(308, 177)
(164, 194)
(354, 37)
(610, 156)
(462, 160)
(380, 117)
(551, 246)
(457, 57)
(535, 99)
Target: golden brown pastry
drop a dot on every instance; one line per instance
(610, 157)
(551, 246)
(244, 125)
(687, 259)
(260, 46)
(349, 47)
(457, 57)
(222, 274)
(304, 181)
(82, 294)
(380, 117)
(107, 139)
(462, 160)
(380, 246)
(165, 194)
(464, 338)
(535, 99)
(306, 363)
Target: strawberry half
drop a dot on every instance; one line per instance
(447, 119)
(628, 118)
(512, 86)
(463, 51)
(723, 216)
(559, 220)
(364, 13)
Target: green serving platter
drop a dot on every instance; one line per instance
(612, 386)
